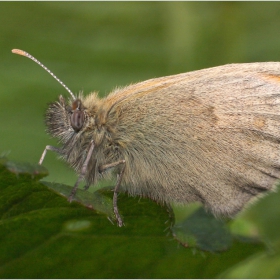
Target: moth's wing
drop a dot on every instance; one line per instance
(245, 100)
(135, 90)
(211, 135)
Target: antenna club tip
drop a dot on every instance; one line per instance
(23, 53)
(20, 52)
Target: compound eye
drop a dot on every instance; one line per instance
(77, 120)
(78, 117)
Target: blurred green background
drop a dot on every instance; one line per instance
(96, 46)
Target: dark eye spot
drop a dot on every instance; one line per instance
(77, 120)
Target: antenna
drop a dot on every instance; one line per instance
(23, 53)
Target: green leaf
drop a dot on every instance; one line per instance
(265, 215)
(42, 235)
(98, 201)
(204, 231)
(261, 265)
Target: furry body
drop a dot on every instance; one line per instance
(211, 135)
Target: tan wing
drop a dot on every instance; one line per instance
(211, 135)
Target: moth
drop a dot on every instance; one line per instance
(211, 136)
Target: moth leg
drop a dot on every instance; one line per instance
(105, 167)
(83, 171)
(48, 148)
(119, 179)
(110, 165)
(115, 197)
